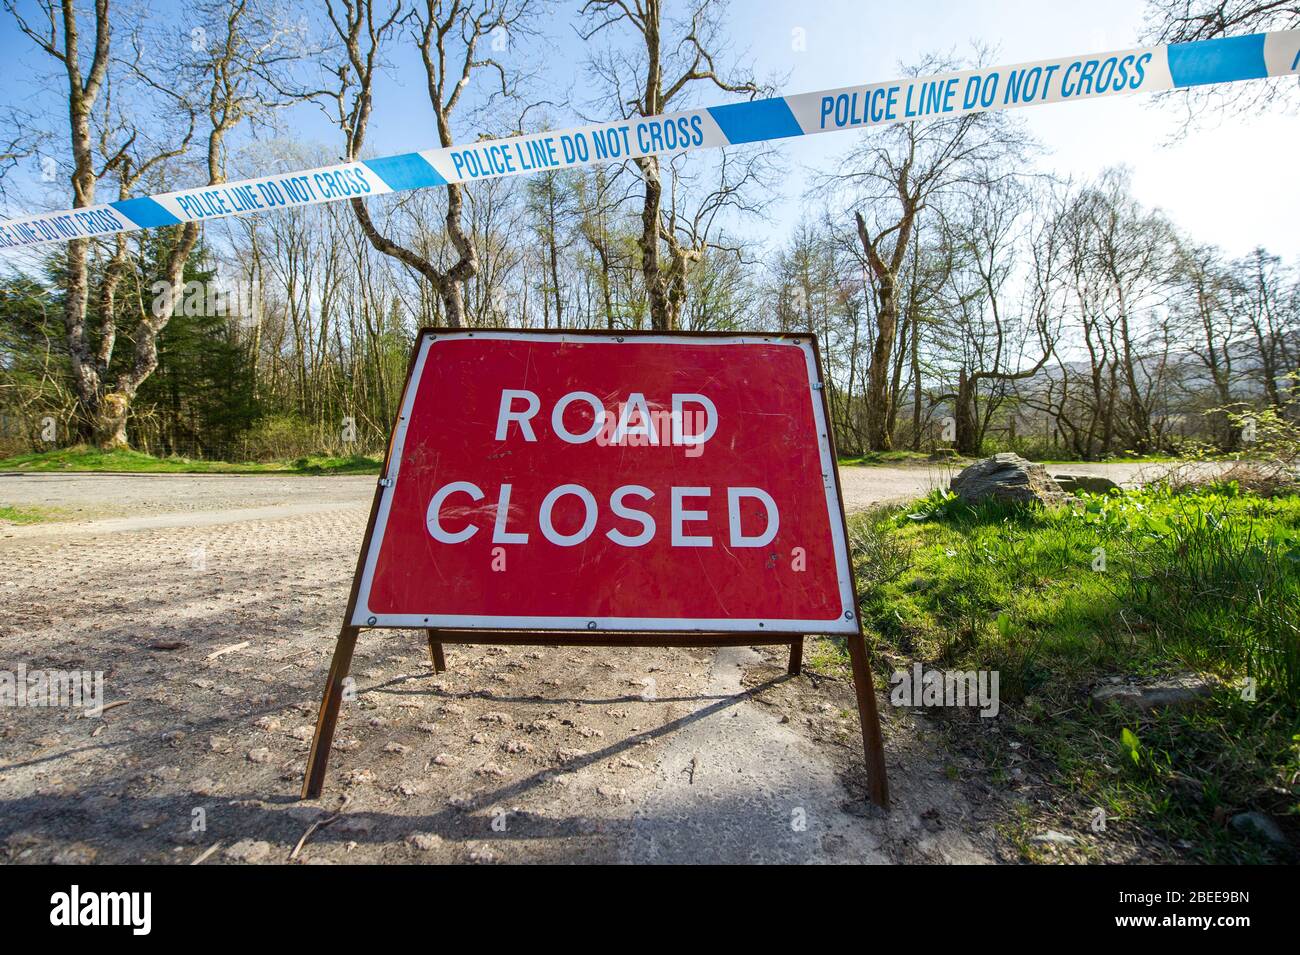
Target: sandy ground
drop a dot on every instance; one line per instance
(514, 755)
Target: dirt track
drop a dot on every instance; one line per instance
(515, 754)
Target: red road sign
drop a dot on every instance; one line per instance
(658, 490)
(601, 482)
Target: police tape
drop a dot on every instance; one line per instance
(1141, 70)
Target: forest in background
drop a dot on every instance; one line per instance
(964, 296)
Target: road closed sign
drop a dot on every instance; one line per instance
(592, 489)
(594, 482)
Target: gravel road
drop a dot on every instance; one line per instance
(210, 602)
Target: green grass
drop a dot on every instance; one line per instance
(921, 457)
(884, 457)
(90, 459)
(1127, 457)
(1133, 584)
(24, 515)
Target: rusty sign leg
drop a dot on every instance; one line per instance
(796, 657)
(872, 744)
(435, 653)
(319, 757)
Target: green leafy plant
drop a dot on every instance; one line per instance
(1131, 745)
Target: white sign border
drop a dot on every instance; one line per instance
(845, 622)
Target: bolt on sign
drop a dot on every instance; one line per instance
(594, 489)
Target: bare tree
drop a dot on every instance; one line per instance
(1269, 299)
(454, 38)
(670, 59)
(22, 138)
(889, 179)
(1206, 304)
(59, 35)
(988, 331)
(1182, 21)
(598, 196)
(127, 125)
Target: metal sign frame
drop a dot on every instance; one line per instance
(650, 632)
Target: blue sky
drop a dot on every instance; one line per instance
(1231, 183)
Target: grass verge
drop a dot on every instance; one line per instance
(24, 515)
(137, 462)
(887, 457)
(1127, 587)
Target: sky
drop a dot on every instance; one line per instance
(1231, 182)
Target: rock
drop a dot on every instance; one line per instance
(424, 841)
(1051, 837)
(1180, 690)
(1007, 477)
(359, 825)
(483, 856)
(76, 853)
(259, 755)
(1259, 826)
(249, 851)
(1092, 483)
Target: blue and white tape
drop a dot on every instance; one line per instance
(1143, 70)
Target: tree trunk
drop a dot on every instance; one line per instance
(452, 294)
(968, 438)
(109, 426)
(916, 385)
(656, 288)
(878, 372)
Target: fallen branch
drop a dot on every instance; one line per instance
(224, 650)
(104, 709)
(318, 824)
(206, 853)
